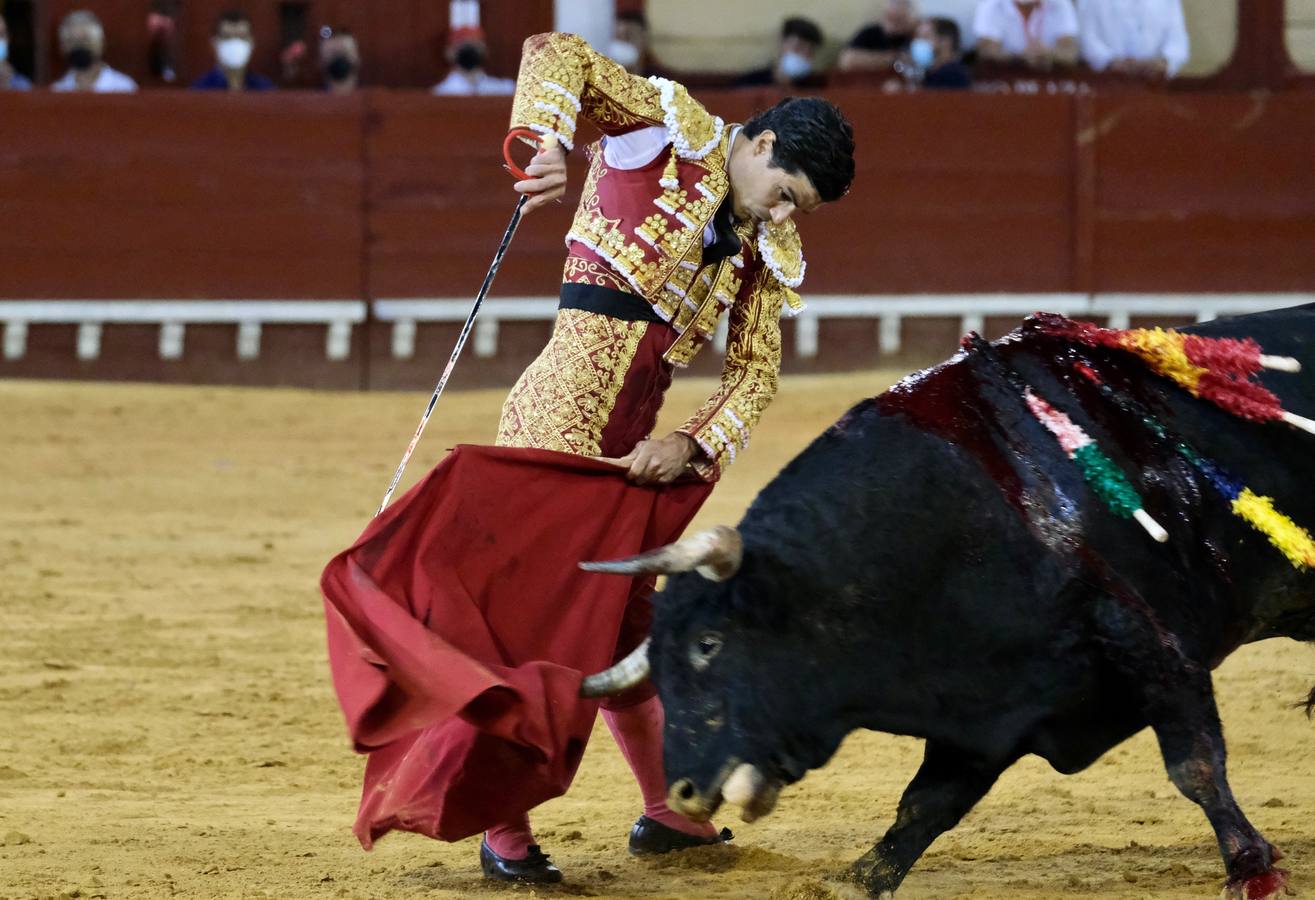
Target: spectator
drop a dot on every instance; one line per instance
(467, 53)
(340, 60)
(162, 29)
(233, 40)
(936, 52)
(878, 45)
(1039, 34)
(629, 45)
(795, 58)
(10, 80)
(1142, 38)
(82, 41)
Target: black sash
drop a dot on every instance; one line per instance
(607, 301)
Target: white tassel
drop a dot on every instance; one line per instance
(1279, 363)
(1152, 527)
(1305, 424)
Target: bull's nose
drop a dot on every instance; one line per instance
(685, 799)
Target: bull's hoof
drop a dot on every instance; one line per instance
(875, 876)
(1261, 887)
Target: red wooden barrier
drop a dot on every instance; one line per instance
(393, 195)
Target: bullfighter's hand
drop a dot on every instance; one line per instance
(547, 181)
(658, 460)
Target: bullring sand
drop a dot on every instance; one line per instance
(168, 729)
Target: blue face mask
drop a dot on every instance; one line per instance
(922, 53)
(4, 49)
(795, 65)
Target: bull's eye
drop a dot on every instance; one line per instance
(705, 648)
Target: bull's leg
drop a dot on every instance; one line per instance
(1178, 700)
(1186, 722)
(948, 784)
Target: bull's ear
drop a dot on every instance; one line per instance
(715, 554)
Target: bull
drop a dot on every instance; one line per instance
(934, 565)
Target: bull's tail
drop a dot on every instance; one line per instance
(1310, 704)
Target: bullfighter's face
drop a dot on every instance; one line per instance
(761, 191)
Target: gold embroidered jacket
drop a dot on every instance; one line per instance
(654, 244)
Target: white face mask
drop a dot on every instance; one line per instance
(4, 49)
(234, 53)
(624, 53)
(795, 65)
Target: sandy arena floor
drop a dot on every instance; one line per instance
(167, 727)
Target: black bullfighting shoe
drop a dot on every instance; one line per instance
(650, 837)
(533, 869)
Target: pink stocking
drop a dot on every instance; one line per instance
(638, 732)
(511, 840)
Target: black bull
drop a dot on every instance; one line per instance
(934, 565)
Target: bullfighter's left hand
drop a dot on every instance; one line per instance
(657, 460)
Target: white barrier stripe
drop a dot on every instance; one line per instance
(171, 340)
(404, 339)
(338, 340)
(248, 340)
(889, 336)
(184, 311)
(1117, 309)
(806, 328)
(88, 340)
(864, 306)
(15, 339)
(486, 337)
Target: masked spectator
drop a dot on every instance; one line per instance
(796, 58)
(629, 45)
(233, 41)
(936, 55)
(878, 45)
(10, 80)
(1039, 34)
(340, 60)
(467, 52)
(1141, 38)
(82, 41)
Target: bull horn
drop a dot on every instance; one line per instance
(715, 554)
(622, 676)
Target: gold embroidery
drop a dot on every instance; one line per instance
(692, 130)
(748, 382)
(672, 200)
(651, 267)
(586, 271)
(565, 397)
(783, 253)
(561, 77)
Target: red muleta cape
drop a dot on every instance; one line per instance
(460, 628)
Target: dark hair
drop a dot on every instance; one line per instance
(947, 28)
(633, 15)
(804, 29)
(812, 136)
(231, 17)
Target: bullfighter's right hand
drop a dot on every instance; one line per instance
(547, 180)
